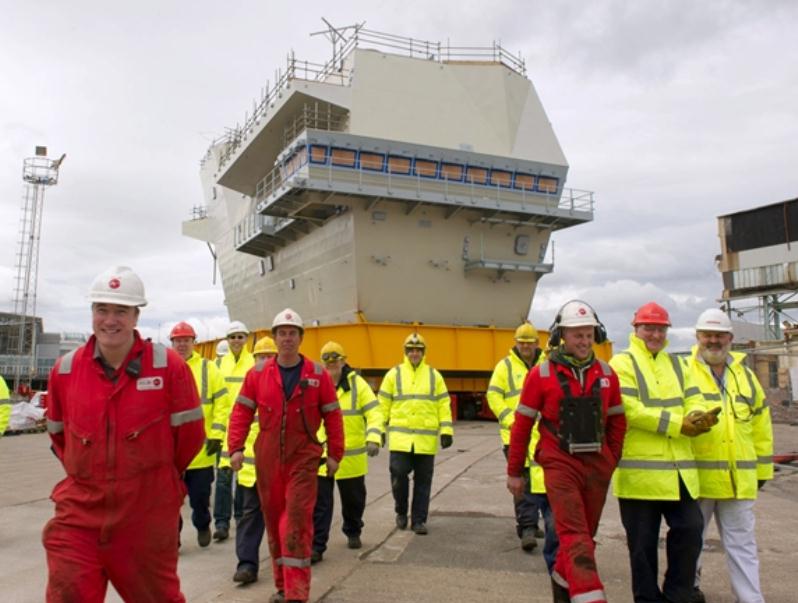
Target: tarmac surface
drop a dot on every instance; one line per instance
(471, 554)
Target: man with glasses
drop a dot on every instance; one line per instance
(234, 366)
(736, 458)
(198, 477)
(416, 409)
(362, 438)
(657, 476)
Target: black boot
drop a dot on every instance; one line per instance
(559, 593)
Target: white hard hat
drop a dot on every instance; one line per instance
(576, 313)
(714, 320)
(118, 285)
(288, 318)
(237, 327)
(222, 348)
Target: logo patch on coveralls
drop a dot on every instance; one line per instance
(149, 383)
(312, 382)
(604, 382)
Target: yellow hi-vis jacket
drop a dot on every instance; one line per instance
(362, 424)
(737, 451)
(215, 405)
(504, 392)
(247, 475)
(5, 406)
(415, 407)
(657, 393)
(233, 372)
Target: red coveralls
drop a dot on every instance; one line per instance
(576, 484)
(287, 457)
(123, 446)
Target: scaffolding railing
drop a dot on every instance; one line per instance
(571, 200)
(335, 72)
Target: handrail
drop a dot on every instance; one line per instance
(334, 72)
(570, 199)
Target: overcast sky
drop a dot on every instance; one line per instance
(672, 112)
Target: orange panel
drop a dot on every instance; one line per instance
(476, 175)
(343, 157)
(500, 178)
(547, 185)
(525, 181)
(398, 165)
(451, 171)
(426, 168)
(318, 154)
(372, 161)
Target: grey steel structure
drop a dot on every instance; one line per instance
(402, 181)
(38, 173)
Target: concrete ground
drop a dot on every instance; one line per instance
(470, 555)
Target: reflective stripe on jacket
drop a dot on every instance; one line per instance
(415, 407)
(215, 404)
(125, 441)
(504, 390)
(657, 393)
(247, 476)
(737, 451)
(234, 371)
(362, 423)
(288, 427)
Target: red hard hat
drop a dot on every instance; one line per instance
(182, 329)
(651, 314)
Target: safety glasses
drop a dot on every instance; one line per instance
(236, 336)
(330, 357)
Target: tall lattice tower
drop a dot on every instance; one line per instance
(38, 173)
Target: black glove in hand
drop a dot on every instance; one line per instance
(212, 447)
(446, 440)
(760, 483)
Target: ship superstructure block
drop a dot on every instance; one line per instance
(392, 188)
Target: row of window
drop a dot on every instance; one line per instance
(414, 166)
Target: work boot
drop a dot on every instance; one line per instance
(278, 597)
(245, 575)
(204, 537)
(528, 541)
(221, 533)
(353, 542)
(539, 533)
(401, 522)
(559, 593)
(420, 528)
(697, 596)
(315, 557)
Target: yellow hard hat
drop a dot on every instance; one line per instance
(526, 333)
(332, 351)
(265, 345)
(414, 340)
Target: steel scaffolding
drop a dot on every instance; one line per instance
(38, 173)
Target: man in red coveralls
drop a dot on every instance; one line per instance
(125, 420)
(292, 395)
(578, 400)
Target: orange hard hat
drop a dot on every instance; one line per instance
(651, 314)
(182, 329)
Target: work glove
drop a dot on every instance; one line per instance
(372, 448)
(446, 440)
(760, 483)
(212, 447)
(695, 423)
